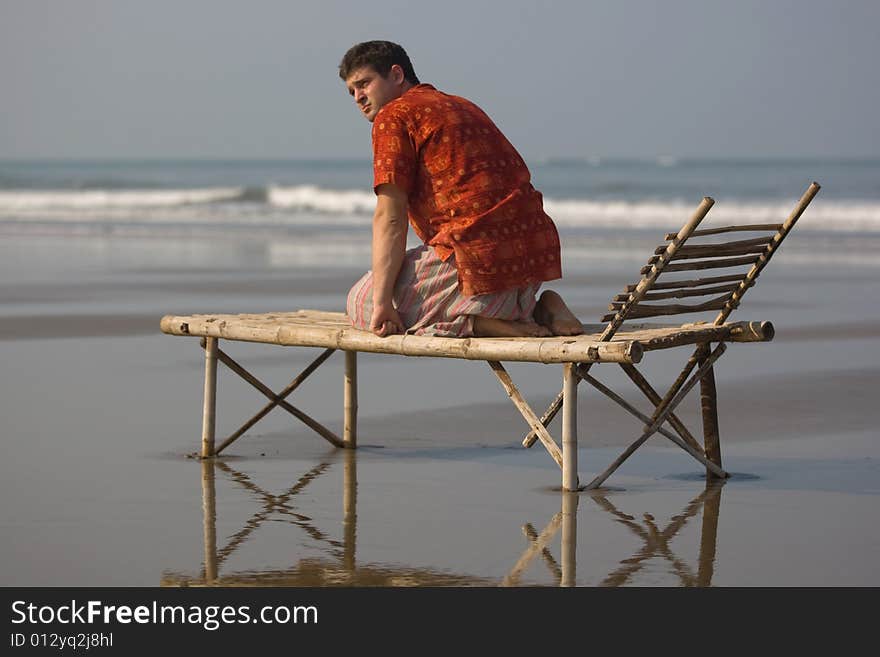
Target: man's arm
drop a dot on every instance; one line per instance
(389, 246)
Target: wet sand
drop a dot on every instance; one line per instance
(99, 410)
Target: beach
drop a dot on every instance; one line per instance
(101, 412)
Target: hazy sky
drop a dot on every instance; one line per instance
(253, 78)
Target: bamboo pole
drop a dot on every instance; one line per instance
(302, 331)
(546, 419)
(209, 520)
(718, 248)
(709, 532)
(751, 332)
(526, 411)
(709, 409)
(642, 311)
(682, 293)
(694, 282)
(350, 401)
(349, 511)
(720, 263)
(569, 429)
(209, 412)
(730, 229)
(569, 539)
(706, 251)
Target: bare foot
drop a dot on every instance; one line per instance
(486, 327)
(552, 312)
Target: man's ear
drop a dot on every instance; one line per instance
(397, 73)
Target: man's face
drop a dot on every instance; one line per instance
(371, 91)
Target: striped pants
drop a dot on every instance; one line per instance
(428, 301)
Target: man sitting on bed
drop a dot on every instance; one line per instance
(487, 243)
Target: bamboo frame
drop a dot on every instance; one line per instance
(644, 336)
(577, 353)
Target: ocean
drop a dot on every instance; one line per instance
(100, 409)
(320, 210)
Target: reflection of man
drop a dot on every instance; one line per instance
(488, 245)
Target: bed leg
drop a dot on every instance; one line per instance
(209, 413)
(709, 407)
(349, 432)
(209, 520)
(569, 539)
(349, 511)
(569, 428)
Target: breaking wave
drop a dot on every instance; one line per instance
(291, 206)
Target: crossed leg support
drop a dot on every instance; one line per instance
(657, 541)
(663, 411)
(213, 354)
(539, 544)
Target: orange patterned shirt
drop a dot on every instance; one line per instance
(469, 191)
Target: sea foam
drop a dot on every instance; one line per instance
(306, 205)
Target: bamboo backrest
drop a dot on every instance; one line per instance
(688, 251)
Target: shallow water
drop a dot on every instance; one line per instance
(98, 490)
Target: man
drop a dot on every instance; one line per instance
(441, 163)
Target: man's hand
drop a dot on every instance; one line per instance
(385, 321)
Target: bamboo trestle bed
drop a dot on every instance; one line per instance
(617, 342)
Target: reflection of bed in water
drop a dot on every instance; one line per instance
(341, 567)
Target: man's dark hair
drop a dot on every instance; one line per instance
(381, 56)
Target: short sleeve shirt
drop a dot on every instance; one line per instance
(469, 192)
